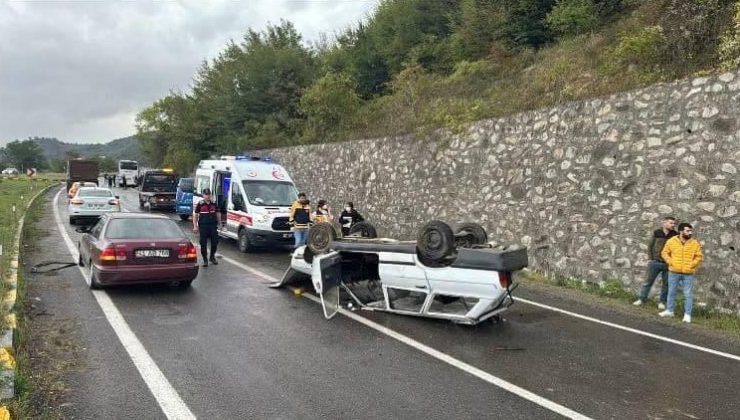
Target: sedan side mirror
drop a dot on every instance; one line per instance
(83, 229)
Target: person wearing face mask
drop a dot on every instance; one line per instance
(322, 213)
(299, 217)
(683, 254)
(656, 266)
(349, 217)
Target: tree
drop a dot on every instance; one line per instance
(572, 17)
(25, 154)
(330, 105)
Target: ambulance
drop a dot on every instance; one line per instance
(256, 193)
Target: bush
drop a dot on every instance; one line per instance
(572, 17)
(329, 105)
(642, 51)
(729, 46)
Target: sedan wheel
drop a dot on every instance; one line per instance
(92, 281)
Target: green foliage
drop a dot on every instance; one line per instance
(330, 105)
(729, 47)
(572, 17)
(643, 50)
(24, 154)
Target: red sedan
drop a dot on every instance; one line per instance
(136, 248)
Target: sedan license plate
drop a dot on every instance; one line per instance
(287, 235)
(152, 253)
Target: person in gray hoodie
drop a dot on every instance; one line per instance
(656, 265)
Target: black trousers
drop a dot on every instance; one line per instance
(208, 232)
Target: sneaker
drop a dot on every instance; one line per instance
(687, 318)
(638, 302)
(205, 264)
(213, 261)
(661, 306)
(665, 314)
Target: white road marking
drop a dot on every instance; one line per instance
(487, 377)
(631, 330)
(168, 399)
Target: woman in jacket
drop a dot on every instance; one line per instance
(349, 217)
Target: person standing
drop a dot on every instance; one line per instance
(683, 253)
(322, 213)
(299, 217)
(349, 217)
(656, 265)
(206, 219)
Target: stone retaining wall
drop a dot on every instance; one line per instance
(582, 184)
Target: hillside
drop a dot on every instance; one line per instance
(123, 148)
(419, 65)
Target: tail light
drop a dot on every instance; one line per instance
(187, 252)
(76, 201)
(111, 255)
(113, 202)
(504, 278)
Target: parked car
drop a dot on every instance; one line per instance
(449, 274)
(136, 248)
(10, 171)
(91, 203)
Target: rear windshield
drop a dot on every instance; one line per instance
(160, 179)
(186, 185)
(143, 229)
(94, 193)
(129, 166)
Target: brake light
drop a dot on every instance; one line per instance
(504, 278)
(187, 252)
(113, 202)
(77, 201)
(113, 254)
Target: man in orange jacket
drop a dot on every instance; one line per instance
(683, 254)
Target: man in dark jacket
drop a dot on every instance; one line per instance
(349, 217)
(206, 219)
(656, 265)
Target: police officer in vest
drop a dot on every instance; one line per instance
(206, 219)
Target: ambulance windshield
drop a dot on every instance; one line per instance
(270, 193)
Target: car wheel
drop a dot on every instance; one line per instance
(184, 217)
(435, 244)
(94, 284)
(320, 237)
(243, 241)
(364, 230)
(72, 221)
(467, 235)
(79, 259)
(184, 284)
(308, 255)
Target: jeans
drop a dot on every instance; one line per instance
(653, 269)
(300, 236)
(687, 280)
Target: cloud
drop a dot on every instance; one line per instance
(81, 70)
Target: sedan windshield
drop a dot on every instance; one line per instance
(143, 229)
(270, 193)
(94, 193)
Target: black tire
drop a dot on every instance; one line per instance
(184, 217)
(467, 235)
(435, 244)
(243, 241)
(141, 203)
(308, 255)
(320, 237)
(72, 221)
(184, 284)
(94, 284)
(79, 260)
(364, 229)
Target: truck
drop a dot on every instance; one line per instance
(79, 170)
(158, 189)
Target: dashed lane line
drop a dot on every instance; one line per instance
(472, 370)
(167, 397)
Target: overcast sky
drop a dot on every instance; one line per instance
(81, 70)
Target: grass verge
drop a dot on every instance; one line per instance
(614, 291)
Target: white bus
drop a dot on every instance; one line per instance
(129, 170)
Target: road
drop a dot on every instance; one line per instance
(230, 347)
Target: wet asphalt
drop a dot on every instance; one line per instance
(234, 348)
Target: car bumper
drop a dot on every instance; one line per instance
(184, 208)
(160, 273)
(270, 238)
(82, 213)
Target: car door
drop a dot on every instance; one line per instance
(326, 275)
(92, 240)
(404, 281)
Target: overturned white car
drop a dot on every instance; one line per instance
(449, 274)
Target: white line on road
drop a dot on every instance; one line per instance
(168, 399)
(494, 380)
(632, 330)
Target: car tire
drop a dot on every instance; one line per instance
(184, 284)
(320, 236)
(243, 241)
(365, 229)
(467, 235)
(308, 255)
(94, 284)
(72, 221)
(184, 217)
(79, 259)
(435, 244)
(141, 203)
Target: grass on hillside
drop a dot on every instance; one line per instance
(615, 291)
